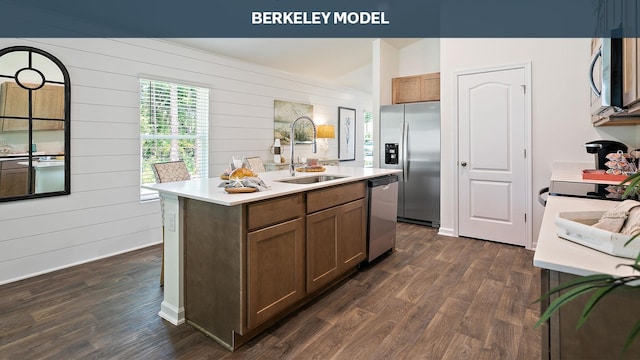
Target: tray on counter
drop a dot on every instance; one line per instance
(576, 227)
(593, 174)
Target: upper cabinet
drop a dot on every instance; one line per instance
(417, 88)
(47, 103)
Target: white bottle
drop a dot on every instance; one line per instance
(276, 151)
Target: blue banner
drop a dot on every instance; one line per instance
(319, 18)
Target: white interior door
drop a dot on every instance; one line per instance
(491, 155)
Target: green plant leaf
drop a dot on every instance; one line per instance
(632, 186)
(593, 300)
(578, 281)
(563, 299)
(630, 240)
(632, 335)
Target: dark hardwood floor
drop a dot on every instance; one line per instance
(434, 298)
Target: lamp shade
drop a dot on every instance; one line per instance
(326, 132)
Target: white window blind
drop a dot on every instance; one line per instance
(174, 125)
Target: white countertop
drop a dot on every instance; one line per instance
(556, 253)
(208, 190)
(572, 172)
(44, 164)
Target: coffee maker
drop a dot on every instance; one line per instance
(601, 148)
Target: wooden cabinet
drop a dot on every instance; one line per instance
(48, 103)
(247, 266)
(353, 234)
(602, 336)
(275, 260)
(336, 232)
(417, 88)
(322, 248)
(13, 178)
(275, 257)
(336, 242)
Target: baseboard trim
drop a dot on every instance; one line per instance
(171, 313)
(446, 232)
(30, 275)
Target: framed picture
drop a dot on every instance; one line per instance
(285, 113)
(346, 134)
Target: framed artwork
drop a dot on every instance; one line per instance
(286, 112)
(346, 134)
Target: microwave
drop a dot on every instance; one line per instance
(605, 77)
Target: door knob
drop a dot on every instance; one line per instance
(464, 163)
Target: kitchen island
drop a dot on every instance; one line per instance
(561, 260)
(234, 264)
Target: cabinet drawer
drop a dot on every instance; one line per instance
(325, 198)
(271, 212)
(13, 164)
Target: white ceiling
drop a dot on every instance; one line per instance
(327, 60)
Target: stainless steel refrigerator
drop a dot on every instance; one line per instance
(410, 141)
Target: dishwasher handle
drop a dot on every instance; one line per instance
(382, 181)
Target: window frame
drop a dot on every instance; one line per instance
(202, 120)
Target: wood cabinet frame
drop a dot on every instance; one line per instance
(417, 88)
(247, 266)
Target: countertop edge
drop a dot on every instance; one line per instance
(555, 253)
(207, 189)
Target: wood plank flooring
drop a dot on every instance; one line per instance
(434, 298)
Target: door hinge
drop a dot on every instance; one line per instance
(525, 217)
(525, 153)
(524, 88)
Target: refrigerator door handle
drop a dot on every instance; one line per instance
(405, 151)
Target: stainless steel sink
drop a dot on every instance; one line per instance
(310, 179)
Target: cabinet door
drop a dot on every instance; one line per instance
(630, 71)
(352, 234)
(603, 335)
(275, 270)
(405, 89)
(408, 89)
(430, 87)
(48, 102)
(322, 247)
(14, 101)
(14, 179)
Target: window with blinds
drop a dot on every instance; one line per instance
(174, 125)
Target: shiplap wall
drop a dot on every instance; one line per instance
(103, 215)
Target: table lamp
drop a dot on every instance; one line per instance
(325, 132)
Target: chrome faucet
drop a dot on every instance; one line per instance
(292, 167)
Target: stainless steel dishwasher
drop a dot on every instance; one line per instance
(382, 215)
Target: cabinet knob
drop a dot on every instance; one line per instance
(463, 164)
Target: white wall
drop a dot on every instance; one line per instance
(560, 106)
(384, 60)
(421, 57)
(103, 215)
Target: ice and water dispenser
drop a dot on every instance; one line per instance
(391, 154)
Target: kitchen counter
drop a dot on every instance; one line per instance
(572, 172)
(602, 336)
(19, 156)
(220, 247)
(208, 190)
(558, 254)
